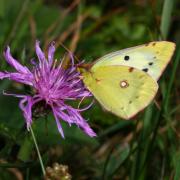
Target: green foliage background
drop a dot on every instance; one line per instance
(146, 147)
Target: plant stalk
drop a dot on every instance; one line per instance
(38, 152)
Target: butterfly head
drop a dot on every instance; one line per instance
(84, 67)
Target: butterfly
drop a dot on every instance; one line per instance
(125, 82)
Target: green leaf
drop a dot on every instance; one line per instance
(177, 166)
(116, 159)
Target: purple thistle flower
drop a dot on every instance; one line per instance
(52, 84)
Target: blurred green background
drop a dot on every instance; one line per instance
(146, 147)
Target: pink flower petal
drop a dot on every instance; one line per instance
(51, 51)
(13, 62)
(3, 75)
(39, 53)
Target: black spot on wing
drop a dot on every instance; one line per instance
(151, 63)
(145, 69)
(126, 58)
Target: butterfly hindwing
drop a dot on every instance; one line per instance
(122, 90)
(151, 58)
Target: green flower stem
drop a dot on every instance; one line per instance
(38, 152)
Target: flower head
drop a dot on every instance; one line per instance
(53, 85)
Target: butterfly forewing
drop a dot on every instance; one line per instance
(151, 58)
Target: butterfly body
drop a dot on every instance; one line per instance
(125, 82)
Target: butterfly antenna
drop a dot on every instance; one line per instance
(69, 51)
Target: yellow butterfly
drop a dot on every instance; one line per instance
(125, 82)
